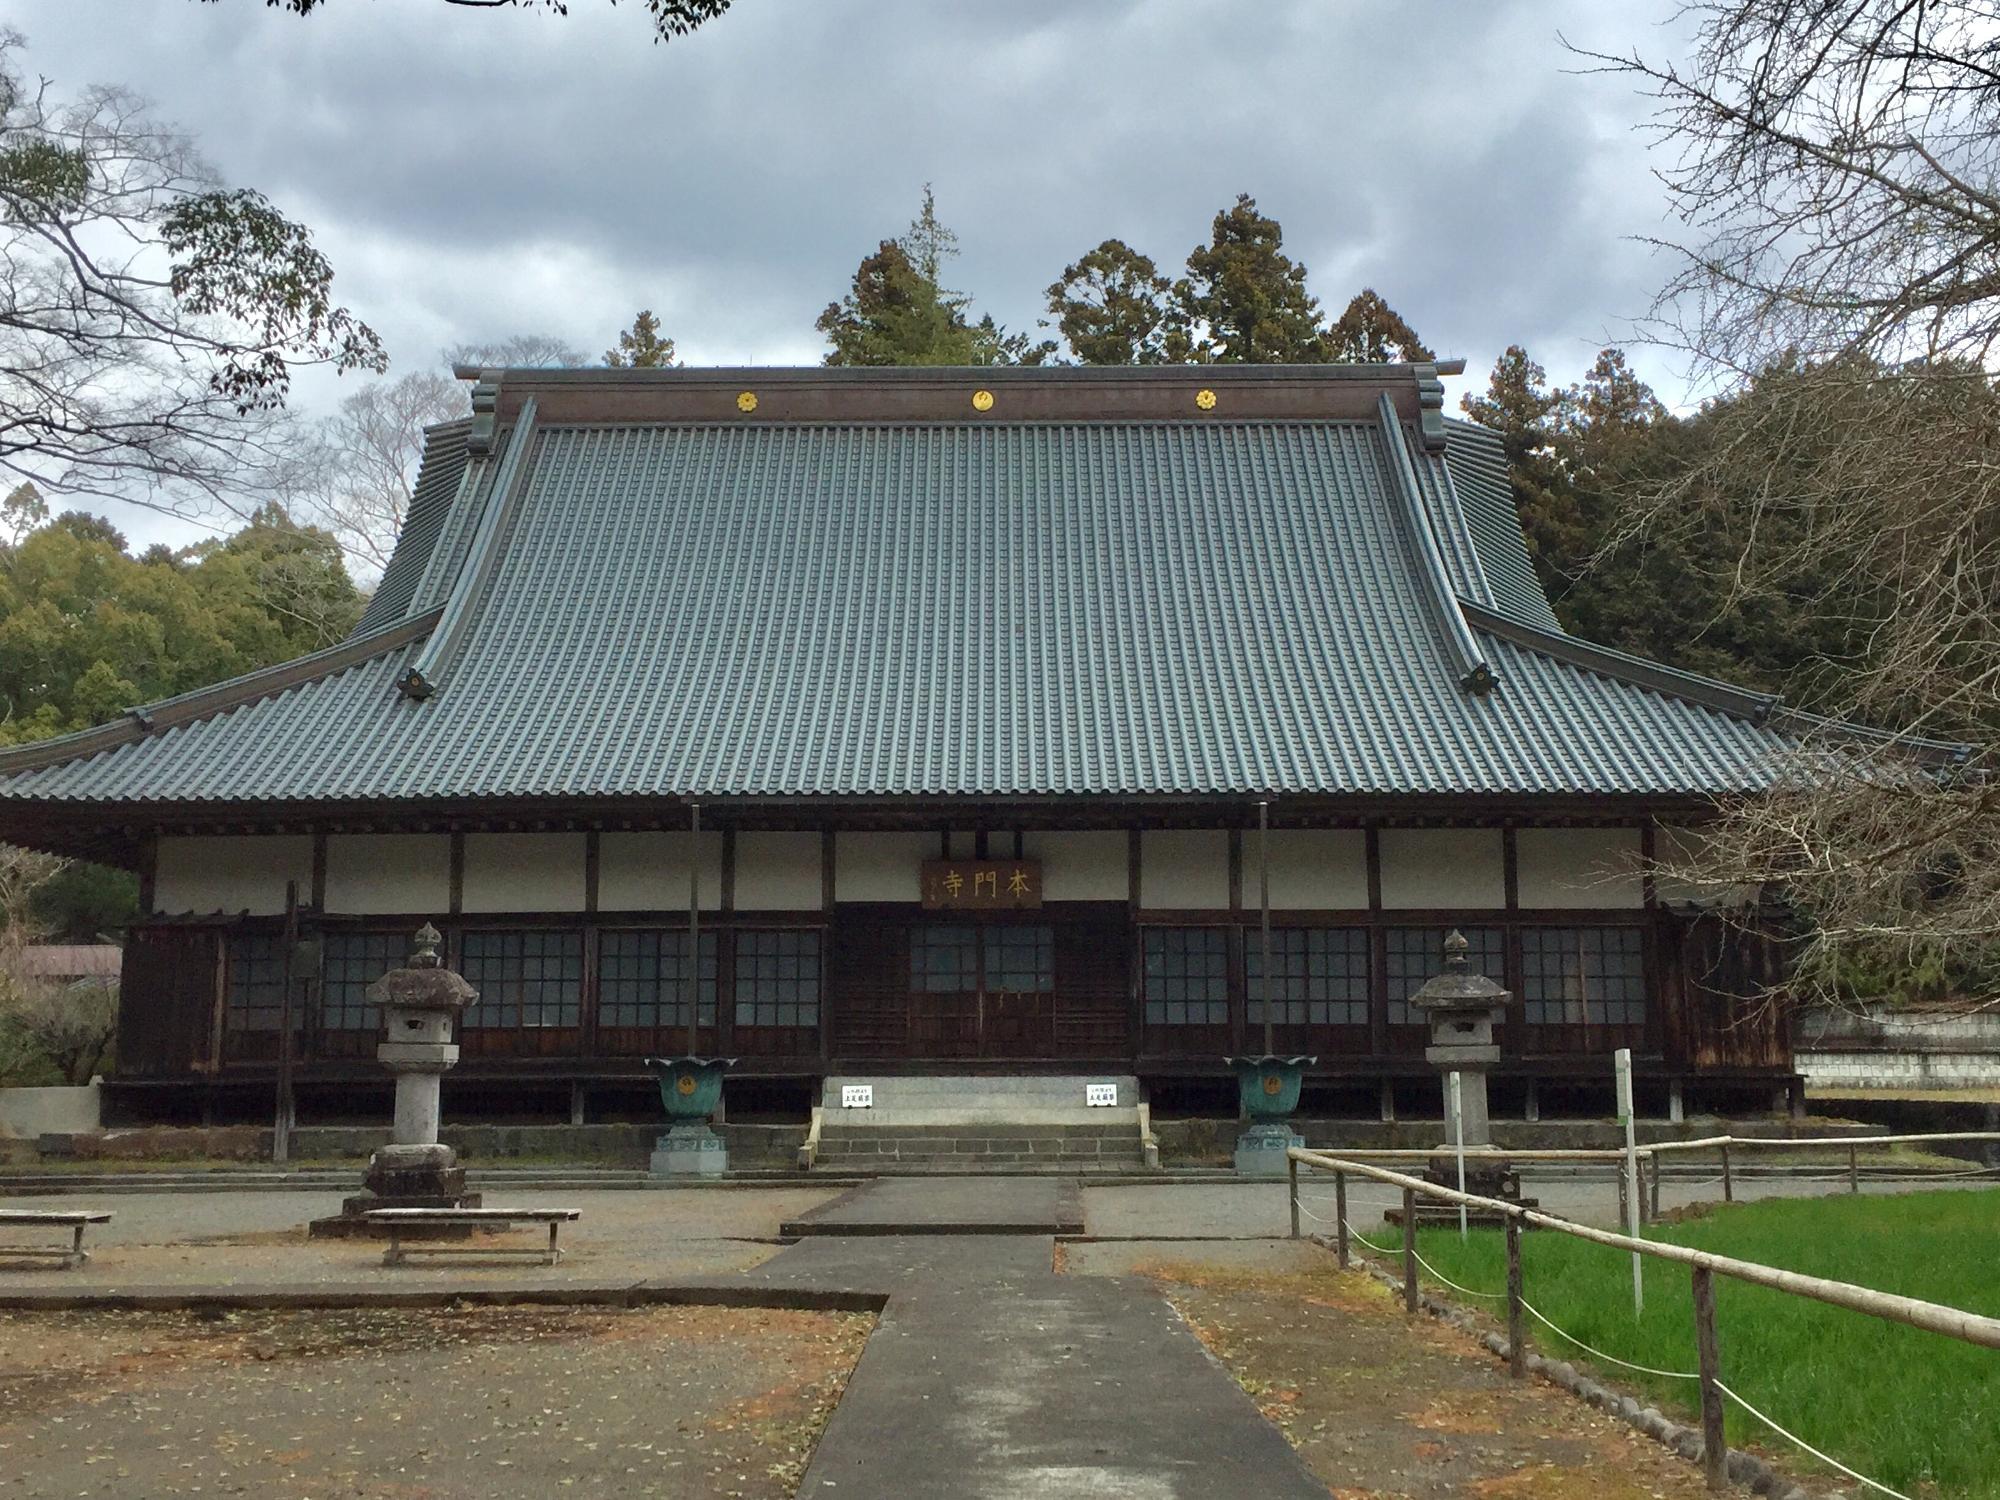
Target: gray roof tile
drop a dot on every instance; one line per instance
(939, 609)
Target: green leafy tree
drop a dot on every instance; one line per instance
(897, 311)
(87, 630)
(641, 347)
(1370, 331)
(1245, 297)
(670, 18)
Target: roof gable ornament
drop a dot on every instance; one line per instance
(485, 413)
(1430, 405)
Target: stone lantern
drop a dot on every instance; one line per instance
(1463, 1008)
(420, 1005)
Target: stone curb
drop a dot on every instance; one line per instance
(1744, 1468)
(336, 1296)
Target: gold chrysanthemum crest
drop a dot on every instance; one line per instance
(746, 401)
(1205, 399)
(982, 401)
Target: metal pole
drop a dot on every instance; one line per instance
(1714, 1448)
(281, 1127)
(1264, 917)
(1409, 1250)
(1457, 1100)
(1340, 1218)
(694, 926)
(1517, 1346)
(1622, 1060)
(1292, 1163)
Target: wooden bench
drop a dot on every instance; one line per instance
(396, 1220)
(74, 1220)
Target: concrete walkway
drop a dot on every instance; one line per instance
(993, 1378)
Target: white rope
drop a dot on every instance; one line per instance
(1873, 1484)
(1378, 1249)
(1642, 1369)
(1468, 1291)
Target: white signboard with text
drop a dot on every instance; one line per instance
(1097, 1095)
(857, 1096)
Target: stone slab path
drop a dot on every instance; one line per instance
(949, 1205)
(991, 1377)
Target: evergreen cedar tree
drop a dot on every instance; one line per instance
(641, 347)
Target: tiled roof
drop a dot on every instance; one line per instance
(853, 609)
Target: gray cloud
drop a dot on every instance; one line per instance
(479, 173)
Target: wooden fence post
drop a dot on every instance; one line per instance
(1853, 1169)
(1517, 1347)
(1656, 1186)
(1728, 1181)
(1292, 1163)
(1714, 1448)
(1340, 1217)
(1409, 1250)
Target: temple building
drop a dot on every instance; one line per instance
(953, 702)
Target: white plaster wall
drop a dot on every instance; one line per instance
(881, 866)
(1081, 866)
(1184, 868)
(777, 872)
(232, 874)
(409, 873)
(1573, 867)
(524, 871)
(1311, 868)
(1678, 848)
(1443, 867)
(649, 871)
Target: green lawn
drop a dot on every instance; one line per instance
(1915, 1410)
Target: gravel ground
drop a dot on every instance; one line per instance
(445, 1404)
(258, 1238)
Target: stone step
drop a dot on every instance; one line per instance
(1091, 1130)
(981, 1099)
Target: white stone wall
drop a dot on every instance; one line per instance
(1567, 868)
(1443, 868)
(406, 873)
(524, 872)
(27, 1113)
(649, 871)
(1883, 1049)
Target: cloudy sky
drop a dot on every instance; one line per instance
(475, 174)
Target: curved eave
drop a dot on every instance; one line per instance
(136, 723)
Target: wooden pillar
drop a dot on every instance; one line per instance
(1714, 1449)
(1517, 1332)
(1410, 1303)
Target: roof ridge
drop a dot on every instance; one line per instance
(1707, 692)
(201, 703)
(421, 680)
(1474, 674)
